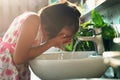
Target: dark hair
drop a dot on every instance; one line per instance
(57, 16)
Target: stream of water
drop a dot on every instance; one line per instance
(74, 48)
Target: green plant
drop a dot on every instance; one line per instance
(81, 45)
(108, 33)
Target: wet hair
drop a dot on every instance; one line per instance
(58, 16)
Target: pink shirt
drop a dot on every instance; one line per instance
(8, 70)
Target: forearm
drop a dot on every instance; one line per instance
(36, 51)
(31, 54)
(26, 53)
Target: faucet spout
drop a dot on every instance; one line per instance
(97, 39)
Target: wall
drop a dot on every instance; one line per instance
(112, 16)
(9, 9)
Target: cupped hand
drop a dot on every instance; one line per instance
(60, 40)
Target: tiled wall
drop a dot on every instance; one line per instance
(111, 14)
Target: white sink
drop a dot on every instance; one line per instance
(66, 65)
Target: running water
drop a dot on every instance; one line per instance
(61, 55)
(74, 47)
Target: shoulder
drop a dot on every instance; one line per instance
(32, 22)
(33, 16)
(26, 17)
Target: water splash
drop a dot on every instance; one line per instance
(74, 48)
(61, 54)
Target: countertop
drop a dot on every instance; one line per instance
(112, 58)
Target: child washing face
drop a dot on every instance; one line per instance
(56, 25)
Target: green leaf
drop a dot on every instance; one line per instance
(69, 47)
(97, 19)
(86, 24)
(108, 33)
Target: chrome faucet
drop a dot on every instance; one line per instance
(96, 38)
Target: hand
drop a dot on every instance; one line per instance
(60, 40)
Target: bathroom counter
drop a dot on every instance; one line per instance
(112, 58)
(115, 61)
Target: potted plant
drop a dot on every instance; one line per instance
(108, 33)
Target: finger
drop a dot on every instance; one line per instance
(67, 43)
(62, 48)
(66, 40)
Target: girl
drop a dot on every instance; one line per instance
(31, 34)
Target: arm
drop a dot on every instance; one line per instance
(25, 39)
(24, 50)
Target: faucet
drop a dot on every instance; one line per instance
(96, 38)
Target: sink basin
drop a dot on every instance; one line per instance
(68, 65)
